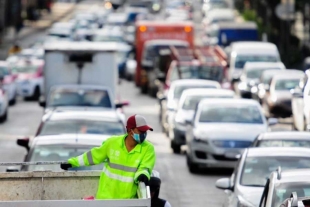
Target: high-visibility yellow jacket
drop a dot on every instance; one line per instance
(118, 179)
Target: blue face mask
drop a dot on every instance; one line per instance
(139, 137)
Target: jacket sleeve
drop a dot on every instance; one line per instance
(147, 164)
(93, 157)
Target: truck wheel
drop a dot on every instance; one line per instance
(176, 148)
(192, 167)
(36, 93)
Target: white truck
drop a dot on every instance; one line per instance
(81, 64)
(60, 189)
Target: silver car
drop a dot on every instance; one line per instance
(186, 109)
(220, 130)
(246, 185)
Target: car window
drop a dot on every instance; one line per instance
(283, 191)
(24, 69)
(201, 72)
(179, 89)
(256, 170)
(286, 84)
(242, 59)
(93, 98)
(283, 143)
(82, 127)
(191, 102)
(231, 114)
(57, 153)
(256, 73)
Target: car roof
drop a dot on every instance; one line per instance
(215, 101)
(184, 82)
(77, 87)
(165, 42)
(246, 45)
(285, 135)
(71, 139)
(295, 175)
(207, 91)
(263, 65)
(162, 23)
(272, 72)
(64, 113)
(278, 151)
(82, 46)
(220, 12)
(292, 74)
(235, 25)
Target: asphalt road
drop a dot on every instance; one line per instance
(178, 186)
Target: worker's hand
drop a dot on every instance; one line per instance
(143, 178)
(65, 166)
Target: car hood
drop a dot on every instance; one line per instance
(251, 194)
(283, 95)
(230, 131)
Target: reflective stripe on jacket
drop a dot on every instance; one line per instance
(118, 179)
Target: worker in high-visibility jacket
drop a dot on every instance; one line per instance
(128, 159)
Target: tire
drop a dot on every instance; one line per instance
(192, 167)
(176, 148)
(36, 94)
(143, 89)
(4, 117)
(12, 102)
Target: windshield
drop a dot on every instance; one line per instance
(108, 38)
(286, 84)
(93, 98)
(201, 72)
(256, 170)
(179, 89)
(284, 190)
(24, 69)
(82, 127)
(58, 153)
(191, 102)
(242, 59)
(231, 114)
(284, 143)
(255, 73)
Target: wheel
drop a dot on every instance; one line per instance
(176, 148)
(12, 102)
(4, 117)
(36, 93)
(143, 89)
(192, 167)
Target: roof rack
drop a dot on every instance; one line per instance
(182, 54)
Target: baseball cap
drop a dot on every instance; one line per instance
(139, 122)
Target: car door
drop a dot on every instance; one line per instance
(232, 199)
(298, 106)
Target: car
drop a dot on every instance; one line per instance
(283, 182)
(219, 15)
(79, 121)
(130, 67)
(186, 109)
(8, 82)
(108, 34)
(277, 101)
(4, 105)
(300, 104)
(29, 78)
(61, 30)
(57, 148)
(207, 7)
(169, 102)
(250, 51)
(259, 91)
(246, 184)
(250, 76)
(295, 201)
(282, 139)
(220, 130)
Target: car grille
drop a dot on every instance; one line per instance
(223, 158)
(231, 143)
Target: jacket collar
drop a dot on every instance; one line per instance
(137, 148)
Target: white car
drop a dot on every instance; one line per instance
(186, 109)
(8, 82)
(169, 104)
(219, 15)
(220, 130)
(4, 105)
(29, 78)
(301, 104)
(246, 185)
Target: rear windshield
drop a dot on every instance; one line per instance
(93, 98)
(191, 102)
(179, 89)
(202, 72)
(286, 85)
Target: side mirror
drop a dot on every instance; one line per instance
(12, 169)
(42, 102)
(23, 143)
(223, 183)
(272, 121)
(120, 105)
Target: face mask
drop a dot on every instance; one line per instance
(139, 137)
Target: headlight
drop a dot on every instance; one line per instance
(244, 203)
(205, 141)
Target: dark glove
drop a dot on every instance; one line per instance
(144, 179)
(65, 166)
